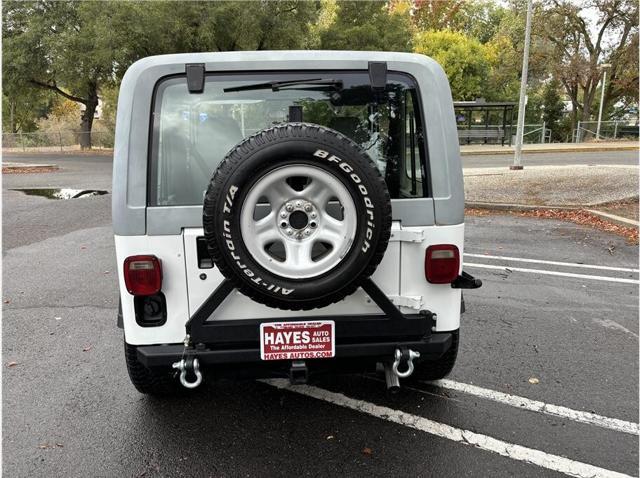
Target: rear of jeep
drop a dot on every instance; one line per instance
(282, 214)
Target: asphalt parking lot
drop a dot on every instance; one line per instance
(546, 381)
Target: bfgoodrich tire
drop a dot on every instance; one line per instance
(296, 216)
(155, 383)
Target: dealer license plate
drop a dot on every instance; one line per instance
(297, 340)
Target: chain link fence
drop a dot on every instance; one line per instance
(55, 141)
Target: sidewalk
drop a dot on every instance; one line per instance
(610, 191)
(475, 149)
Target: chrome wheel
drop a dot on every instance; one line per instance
(298, 221)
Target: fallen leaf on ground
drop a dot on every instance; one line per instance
(86, 348)
(367, 451)
(579, 216)
(534, 380)
(12, 364)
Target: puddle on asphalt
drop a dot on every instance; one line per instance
(56, 193)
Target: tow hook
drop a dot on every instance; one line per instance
(189, 364)
(404, 355)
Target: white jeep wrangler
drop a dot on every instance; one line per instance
(285, 214)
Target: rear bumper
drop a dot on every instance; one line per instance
(350, 357)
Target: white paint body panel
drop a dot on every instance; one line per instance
(400, 274)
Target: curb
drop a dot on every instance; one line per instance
(618, 220)
(516, 207)
(547, 150)
(20, 168)
(71, 152)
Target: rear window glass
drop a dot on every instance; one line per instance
(192, 133)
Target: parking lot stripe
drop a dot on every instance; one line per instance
(541, 407)
(553, 273)
(459, 435)
(553, 263)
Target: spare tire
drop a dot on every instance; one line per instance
(296, 216)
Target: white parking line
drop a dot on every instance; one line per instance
(541, 407)
(553, 273)
(459, 435)
(553, 263)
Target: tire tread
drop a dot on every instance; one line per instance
(263, 138)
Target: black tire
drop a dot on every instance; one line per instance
(146, 381)
(287, 145)
(440, 368)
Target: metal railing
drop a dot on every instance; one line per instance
(536, 134)
(609, 130)
(58, 141)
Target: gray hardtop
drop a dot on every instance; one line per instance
(132, 216)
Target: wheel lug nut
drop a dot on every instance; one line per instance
(289, 207)
(283, 214)
(298, 203)
(307, 232)
(313, 215)
(308, 207)
(289, 231)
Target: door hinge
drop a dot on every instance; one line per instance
(406, 235)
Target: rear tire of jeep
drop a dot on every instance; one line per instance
(159, 384)
(440, 368)
(297, 216)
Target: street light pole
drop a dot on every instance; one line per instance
(604, 67)
(517, 159)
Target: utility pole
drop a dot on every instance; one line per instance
(517, 159)
(604, 67)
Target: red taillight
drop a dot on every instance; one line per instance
(441, 263)
(142, 275)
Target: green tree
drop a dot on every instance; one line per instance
(368, 25)
(583, 36)
(22, 107)
(76, 49)
(61, 47)
(476, 18)
(466, 61)
(553, 109)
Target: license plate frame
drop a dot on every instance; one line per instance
(284, 343)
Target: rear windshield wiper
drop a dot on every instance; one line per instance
(276, 85)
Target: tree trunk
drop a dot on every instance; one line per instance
(87, 118)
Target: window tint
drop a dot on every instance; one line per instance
(192, 133)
